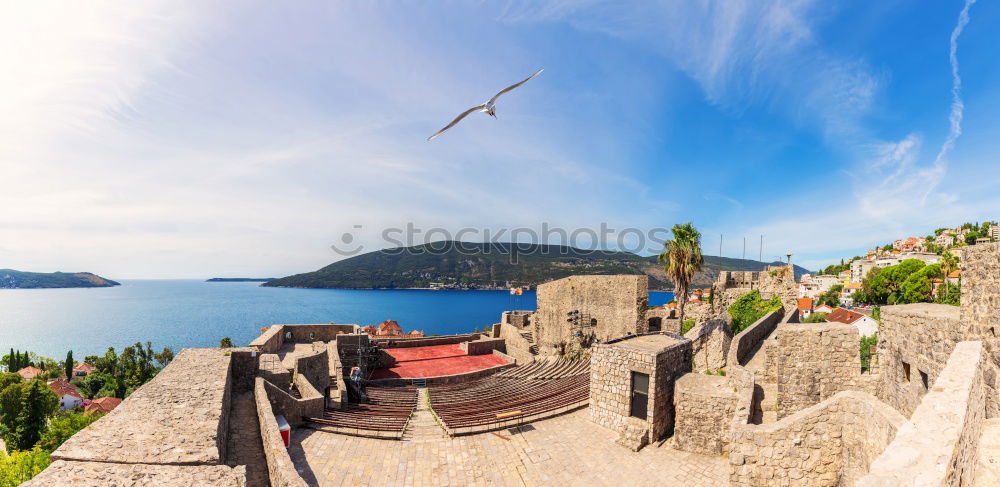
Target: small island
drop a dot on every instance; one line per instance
(12, 279)
(241, 279)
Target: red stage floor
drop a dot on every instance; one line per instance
(434, 361)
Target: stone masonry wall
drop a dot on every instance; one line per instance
(315, 367)
(746, 341)
(704, 407)
(617, 303)
(710, 342)
(980, 267)
(922, 336)
(828, 444)
(270, 341)
(814, 361)
(517, 345)
(483, 346)
(280, 468)
(938, 445)
(610, 383)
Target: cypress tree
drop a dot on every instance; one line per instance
(10, 361)
(69, 365)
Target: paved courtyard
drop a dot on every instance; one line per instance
(562, 451)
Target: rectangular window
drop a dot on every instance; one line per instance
(923, 378)
(906, 372)
(640, 395)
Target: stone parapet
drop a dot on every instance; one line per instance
(100, 474)
(915, 340)
(814, 361)
(483, 346)
(704, 407)
(181, 411)
(828, 444)
(980, 265)
(270, 341)
(748, 340)
(938, 446)
(280, 468)
(710, 342)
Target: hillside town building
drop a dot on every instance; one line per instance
(592, 388)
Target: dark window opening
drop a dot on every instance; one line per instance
(288, 335)
(923, 378)
(640, 395)
(655, 323)
(906, 372)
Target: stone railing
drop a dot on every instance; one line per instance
(270, 341)
(312, 402)
(938, 446)
(828, 444)
(483, 346)
(280, 468)
(426, 341)
(315, 367)
(508, 358)
(749, 339)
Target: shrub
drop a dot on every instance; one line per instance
(751, 307)
(687, 325)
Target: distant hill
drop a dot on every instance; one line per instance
(11, 279)
(465, 265)
(240, 279)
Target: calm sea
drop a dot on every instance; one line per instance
(189, 313)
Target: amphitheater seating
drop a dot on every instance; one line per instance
(384, 415)
(521, 394)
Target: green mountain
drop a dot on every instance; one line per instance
(11, 279)
(466, 265)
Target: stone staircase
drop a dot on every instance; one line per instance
(769, 403)
(531, 339)
(767, 389)
(423, 425)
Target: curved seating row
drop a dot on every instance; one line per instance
(548, 369)
(384, 415)
(500, 401)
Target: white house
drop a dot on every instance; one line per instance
(866, 325)
(69, 396)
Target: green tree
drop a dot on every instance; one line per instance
(681, 259)
(63, 426)
(21, 466)
(69, 365)
(38, 404)
(164, 357)
(918, 286)
(816, 318)
(970, 238)
(751, 307)
(226, 342)
(865, 348)
(832, 296)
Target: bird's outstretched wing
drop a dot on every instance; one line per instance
(511, 87)
(457, 119)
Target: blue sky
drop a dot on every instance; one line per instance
(193, 139)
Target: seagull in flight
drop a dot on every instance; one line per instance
(488, 108)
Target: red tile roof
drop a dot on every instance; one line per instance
(390, 327)
(102, 405)
(29, 372)
(842, 315)
(954, 274)
(63, 388)
(84, 367)
(805, 304)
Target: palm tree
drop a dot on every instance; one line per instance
(948, 263)
(681, 259)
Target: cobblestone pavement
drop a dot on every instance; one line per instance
(566, 450)
(244, 446)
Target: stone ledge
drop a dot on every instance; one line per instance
(100, 474)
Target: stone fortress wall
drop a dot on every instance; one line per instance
(814, 362)
(915, 341)
(938, 445)
(617, 304)
(827, 444)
